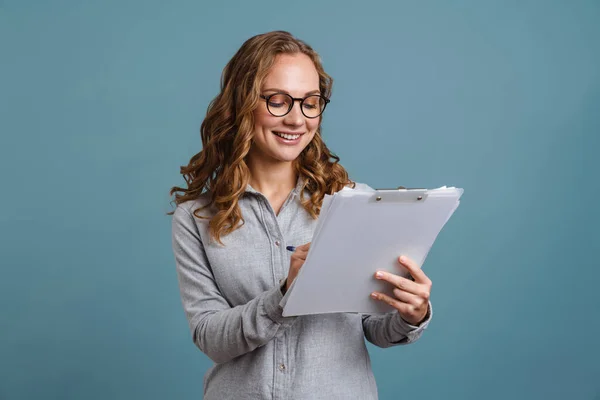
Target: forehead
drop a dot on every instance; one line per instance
(294, 73)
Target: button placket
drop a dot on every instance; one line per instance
(276, 235)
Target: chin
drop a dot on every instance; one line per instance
(287, 157)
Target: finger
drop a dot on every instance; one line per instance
(299, 257)
(414, 270)
(301, 251)
(399, 282)
(418, 301)
(402, 307)
(406, 297)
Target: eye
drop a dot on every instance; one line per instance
(279, 100)
(312, 103)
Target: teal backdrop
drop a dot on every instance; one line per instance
(101, 102)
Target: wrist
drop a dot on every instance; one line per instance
(412, 322)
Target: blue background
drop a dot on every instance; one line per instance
(101, 102)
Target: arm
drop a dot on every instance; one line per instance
(391, 330)
(220, 331)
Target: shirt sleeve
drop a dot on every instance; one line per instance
(390, 329)
(220, 331)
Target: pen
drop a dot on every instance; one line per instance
(291, 248)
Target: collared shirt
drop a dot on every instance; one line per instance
(231, 297)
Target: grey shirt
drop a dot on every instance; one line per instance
(231, 297)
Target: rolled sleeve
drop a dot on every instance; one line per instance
(391, 330)
(412, 332)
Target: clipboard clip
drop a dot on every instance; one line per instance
(400, 195)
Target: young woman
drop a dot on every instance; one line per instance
(255, 187)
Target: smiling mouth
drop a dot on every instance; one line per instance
(287, 136)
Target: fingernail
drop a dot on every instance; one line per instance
(379, 275)
(402, 259)
(374, 295)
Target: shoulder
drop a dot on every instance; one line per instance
(186, 209)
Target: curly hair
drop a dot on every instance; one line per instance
(220, 168)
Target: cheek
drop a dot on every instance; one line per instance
(313, 124)
(263, 120)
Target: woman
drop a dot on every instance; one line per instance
(255, 188)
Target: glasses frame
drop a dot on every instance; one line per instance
(294, 100)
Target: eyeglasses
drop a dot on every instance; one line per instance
(280, 104)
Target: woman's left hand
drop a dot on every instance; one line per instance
(411, 297)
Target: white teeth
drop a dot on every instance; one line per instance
(286, 136)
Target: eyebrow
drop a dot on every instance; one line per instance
(285, 91)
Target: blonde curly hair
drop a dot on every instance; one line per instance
(220, 168)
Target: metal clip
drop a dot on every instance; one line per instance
(401, 194)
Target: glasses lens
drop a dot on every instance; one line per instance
(313, 106)
(279, 104)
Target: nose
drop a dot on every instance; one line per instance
(295, 116)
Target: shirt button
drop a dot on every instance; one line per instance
(277, 243)
(282, 367)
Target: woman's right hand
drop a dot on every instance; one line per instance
(296, 262)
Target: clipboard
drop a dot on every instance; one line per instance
(360, 232)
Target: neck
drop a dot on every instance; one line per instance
(272, 178)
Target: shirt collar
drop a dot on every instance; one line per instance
(296, 191)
